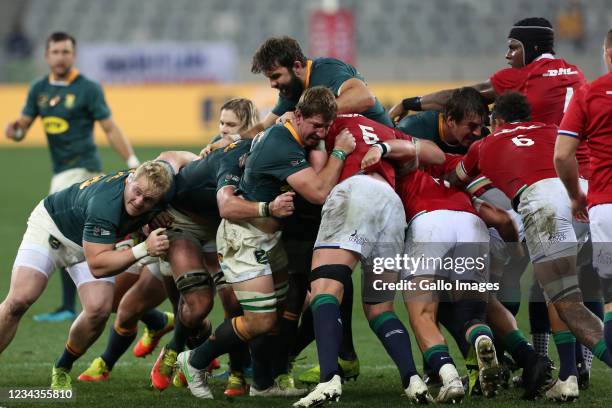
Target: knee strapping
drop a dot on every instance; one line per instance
(193, 280)
(338, 272)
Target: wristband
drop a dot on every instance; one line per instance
(140, 251)
(339, 154)
(133, 161)
(413, 104)
(264, 209)
(384, 147)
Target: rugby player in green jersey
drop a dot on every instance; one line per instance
(252, 257)
(69, 103)
(77, 228)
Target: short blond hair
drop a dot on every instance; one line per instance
(157, 173)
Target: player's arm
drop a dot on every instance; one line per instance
(437, 100)
(236, 208)
(396, 150)
(268, 121)
(315, 187)
(104, 260)
(17, 129)
(354, 97)
(499, 219)
(566, 166)
(177, 158)
(119, 142)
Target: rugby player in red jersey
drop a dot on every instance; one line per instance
(527, 176)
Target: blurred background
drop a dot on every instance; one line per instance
(167, 66)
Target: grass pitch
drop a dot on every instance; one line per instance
(28, 360)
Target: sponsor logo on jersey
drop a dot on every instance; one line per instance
(100, 232)
(297, 162)
(54, 125)
(559, 72)
(69, 103)
(42, 100)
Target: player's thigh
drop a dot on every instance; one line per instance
(27, 284)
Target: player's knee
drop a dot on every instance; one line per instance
(330, 279)
(260, 323)
(16, 307)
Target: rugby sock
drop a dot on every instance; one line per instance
(262, 353)
(540, 343)
(224, 339)
(180, 335)
(68, 357)
(394, 337)
(119, 340)
(68, 291)
(437, 356)
(602, 352)
(305, 333)
(477, 331)
(288, 326)
(239, 358)
(519, 348)
(328, 333)
(566, 347)
(587, 357)
(608, 330)
(347, 349)
(540, 326)
(154, 319)
(513, 307)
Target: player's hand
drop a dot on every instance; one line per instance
(13, 131)
(397, 112)
(579, 208)
(161, 220)
(345, 141)
(219, 144)
(157, 242)
(372, 156)
(285, 117)
(283, 206)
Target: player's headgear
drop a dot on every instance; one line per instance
(536, 35)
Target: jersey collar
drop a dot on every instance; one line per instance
(74, 73)
(545, 56)
(291, 130)
(308, 72)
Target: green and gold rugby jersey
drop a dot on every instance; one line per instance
(198, 182)
(331, 73)
(275, 155)
(93, 210)
(68, 111)
(429, 126)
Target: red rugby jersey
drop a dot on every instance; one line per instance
(515, 156)
(366, 132)
(548, 83)
(589, 117)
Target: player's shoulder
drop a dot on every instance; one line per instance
(604, 81)
(39, 83)
(328, 61)
(87, 83)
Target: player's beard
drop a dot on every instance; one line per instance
(294, 89)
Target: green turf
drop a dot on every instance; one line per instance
(27, 361)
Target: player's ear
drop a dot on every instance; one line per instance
(296, 66)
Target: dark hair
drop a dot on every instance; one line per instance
(512, 106)
(608, 41)
(465, 102)
(277, 51)
(318, 100)
(60, 36)
(245, 111)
